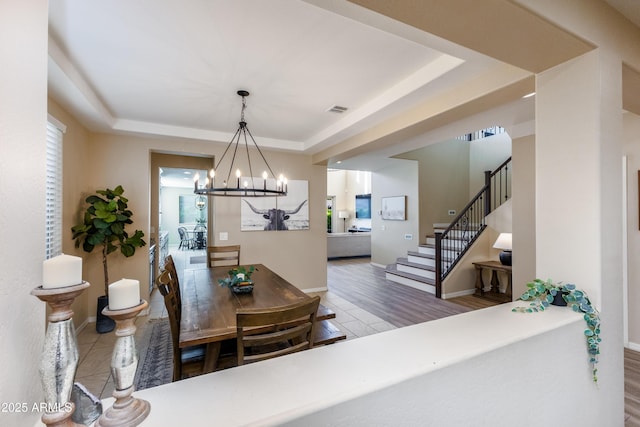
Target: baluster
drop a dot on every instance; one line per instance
(438, 264)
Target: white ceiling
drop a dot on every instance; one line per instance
(172, 67)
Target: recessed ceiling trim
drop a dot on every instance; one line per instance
(71, 72)
(201, 134)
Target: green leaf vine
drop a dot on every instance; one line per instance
(542, 293)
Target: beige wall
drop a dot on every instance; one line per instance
(443, 181)
(23, 115)
(486, 155)
(388, 237)
(523, 208)
(298, 256)
(632, 151)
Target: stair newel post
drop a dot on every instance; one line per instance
(487, 186)
(438, 264)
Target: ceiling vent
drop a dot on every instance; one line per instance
(337, 109)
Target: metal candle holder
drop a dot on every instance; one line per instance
(127, 410)
(60, 354)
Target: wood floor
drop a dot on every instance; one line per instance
(631, 388)
(364, 285)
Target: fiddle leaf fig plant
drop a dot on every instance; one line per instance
(104, 225)
(542, 294)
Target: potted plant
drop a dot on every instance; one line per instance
(239, 279)
(545, 293)
(104, 225)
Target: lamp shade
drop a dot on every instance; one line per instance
(503, 242)
(343, 214)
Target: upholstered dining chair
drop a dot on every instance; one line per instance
(223, 255)
(270, 332)
(188, 361)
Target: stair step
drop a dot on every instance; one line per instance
(422, 270)
(456, 239)
(429, 249)
(423, 258)
(412, 280)
(444, 225)
(420, 258)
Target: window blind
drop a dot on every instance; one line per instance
(53, 210)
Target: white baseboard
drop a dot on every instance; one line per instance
(633, 346)
(459, 293)
(375, 264)
(82, 326)
(91, 319)
(308, 291)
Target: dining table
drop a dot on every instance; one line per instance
(209, 310)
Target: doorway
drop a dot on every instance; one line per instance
(175, 206)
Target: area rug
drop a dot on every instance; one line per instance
(155, 366)
(198, 259)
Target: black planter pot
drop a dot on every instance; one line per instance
(558, 300)
(104, 323)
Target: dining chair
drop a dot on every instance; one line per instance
(188, 361)
(223, 256)
(174, 283)
(264, 333)
(200, 236)
(186, 242)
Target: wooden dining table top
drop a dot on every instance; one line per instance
(209, 310)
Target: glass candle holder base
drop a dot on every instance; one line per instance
(127, 410)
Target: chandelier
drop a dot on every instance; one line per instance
(249, 186)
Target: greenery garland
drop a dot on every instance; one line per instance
(542, 294)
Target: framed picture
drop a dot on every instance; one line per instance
(290, 212)
(394, 208)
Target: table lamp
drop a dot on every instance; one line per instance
(504, 242)
(344, 215)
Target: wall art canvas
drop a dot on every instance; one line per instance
(290, 212)
(394, 208)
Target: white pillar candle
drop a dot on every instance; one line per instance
(61, 271)
(124, 293)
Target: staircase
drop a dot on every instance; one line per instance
(418, 269)
(426, 269)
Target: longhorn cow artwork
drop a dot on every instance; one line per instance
(276, 218)
(277, 213)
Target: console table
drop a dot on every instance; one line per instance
(494, 293)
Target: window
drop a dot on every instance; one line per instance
(53, 209)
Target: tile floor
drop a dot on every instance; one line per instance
(95, 349)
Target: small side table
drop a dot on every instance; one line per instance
(494, 293)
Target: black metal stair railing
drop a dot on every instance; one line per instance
(457, 238)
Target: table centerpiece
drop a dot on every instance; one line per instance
(239, 279)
